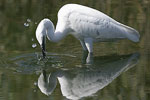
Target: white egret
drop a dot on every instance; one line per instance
(88, 25)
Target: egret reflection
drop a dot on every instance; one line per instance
(85, 81)
(47, 83)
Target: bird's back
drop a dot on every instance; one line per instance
(88, 22)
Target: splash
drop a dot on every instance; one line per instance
(26, 24)
(28, 20)
(34, 45)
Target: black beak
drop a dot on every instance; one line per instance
(44, 74)
(43, 47)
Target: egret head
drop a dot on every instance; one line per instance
(47, 82)
(44, 29)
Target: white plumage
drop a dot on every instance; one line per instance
(87, 25)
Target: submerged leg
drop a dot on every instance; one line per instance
(89, 59)
(85, 52)
(87, 45)
(84, 56)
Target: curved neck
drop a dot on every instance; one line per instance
(54, 35)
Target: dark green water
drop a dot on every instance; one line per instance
(120, 71)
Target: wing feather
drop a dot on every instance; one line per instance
(89, 22)
(97, 27)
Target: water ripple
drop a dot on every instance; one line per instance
(30, 63)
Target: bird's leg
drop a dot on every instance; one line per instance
(84, 56)
(83, 45)
(85, 52)
(89, 44)
(89, 59)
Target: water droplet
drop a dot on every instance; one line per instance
(34, 90)
(35, 83)
(26, 24)
(34, 45)
(32, 39)
(28, 20)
